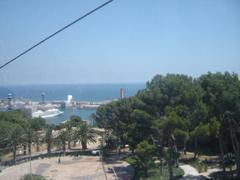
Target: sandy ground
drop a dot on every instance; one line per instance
(84, 167)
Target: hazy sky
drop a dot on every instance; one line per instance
(126, 41)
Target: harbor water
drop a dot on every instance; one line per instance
(80, 92)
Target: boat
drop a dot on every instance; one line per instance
(47, 114)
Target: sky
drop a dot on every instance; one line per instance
(128, 41)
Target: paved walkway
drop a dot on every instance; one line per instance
(71, 168)
(84, 167)
(189, 170)
(190, 173)
(118, 167)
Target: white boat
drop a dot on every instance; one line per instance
(47, 114)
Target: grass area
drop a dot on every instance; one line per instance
(33, 177)
(154, 172)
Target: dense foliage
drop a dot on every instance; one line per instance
(19, 132)
(179, 112)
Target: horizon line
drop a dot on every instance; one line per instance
(80, 83)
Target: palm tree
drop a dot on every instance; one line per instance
(31, 128)
(29, 133)
(14, 139)
(62, 138)
(49, 138)
(75, 120)
(69, 132)
(85, 134)
(38, 140)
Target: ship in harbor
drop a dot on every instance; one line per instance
(53, 108)
(47, 114)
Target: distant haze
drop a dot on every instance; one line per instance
(79, 92)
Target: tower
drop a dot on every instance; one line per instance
(9, 101)
(122, 93)
(43, 97)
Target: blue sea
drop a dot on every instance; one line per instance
(80, 92)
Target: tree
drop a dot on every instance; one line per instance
(168, 125)
(234, 129)
(31, 128)
(171, 155)
(194, 111)
(170, 90)
(8, 120)
(144, 155)
(49, 138)
(38, 139)
(62, 137)
(200, 133)
(182, 136)
(84, 134)
(215, 128)
(14, 139)
(116, 116)
(4, 130)
(75, 120)
(140, 128)
(69, 132)
(222, 96)
(29, 134)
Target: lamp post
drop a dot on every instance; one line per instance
(30, 164)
